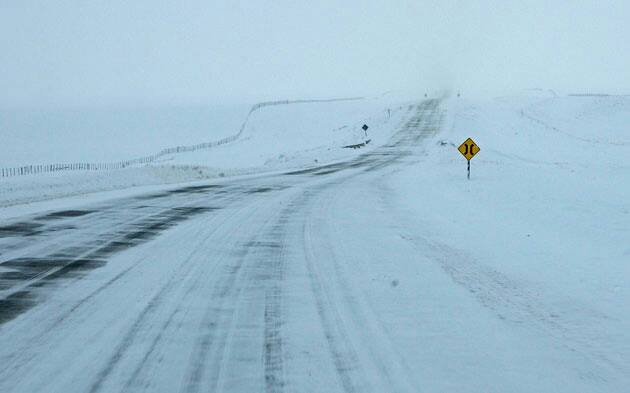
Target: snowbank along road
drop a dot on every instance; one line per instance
(306, 281)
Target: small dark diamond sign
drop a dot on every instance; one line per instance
(365, 127)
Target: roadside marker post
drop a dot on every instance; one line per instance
(468, 149)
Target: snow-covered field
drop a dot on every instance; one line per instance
(278, 137)
(381, 269)
(540, 236)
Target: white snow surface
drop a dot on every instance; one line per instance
(386, 271)
(540, 236)
(293, 135)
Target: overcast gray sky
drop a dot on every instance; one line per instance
(152, 51)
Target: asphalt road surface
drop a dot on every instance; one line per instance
(242, 285)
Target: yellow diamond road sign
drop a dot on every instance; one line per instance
(468, 149)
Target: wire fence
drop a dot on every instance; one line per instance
(106, 166)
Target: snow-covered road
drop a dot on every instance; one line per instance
(307, 281)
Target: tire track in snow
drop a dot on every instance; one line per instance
(394, 371)
(218, 323)
(201, 275)
(22, 356)
(153, 304)
(149, 308)
(275, 258)
(214, 329)
(135, 379)
(344, 356)
(351, 372)
(71, 262)
(273, 318)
